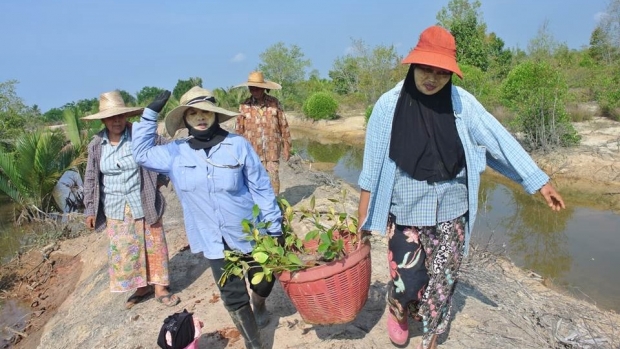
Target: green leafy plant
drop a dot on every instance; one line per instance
(367, 113)
(324, 243)
(320, 106)
(536, 92)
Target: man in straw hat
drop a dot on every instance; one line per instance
(218, 178)
(427, 142)
(122, 198)
(262, 122)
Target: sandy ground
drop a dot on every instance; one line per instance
(496, 305)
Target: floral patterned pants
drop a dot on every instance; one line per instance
(137, 254)
(424, 264)
(273, 170)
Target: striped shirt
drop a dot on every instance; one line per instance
(417, 203)
(121, 178)
(485, 142)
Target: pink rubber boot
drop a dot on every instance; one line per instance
(398, 331)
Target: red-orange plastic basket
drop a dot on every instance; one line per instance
(332, 293)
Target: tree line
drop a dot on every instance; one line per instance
(535, 92)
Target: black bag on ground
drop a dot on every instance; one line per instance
(181, 328)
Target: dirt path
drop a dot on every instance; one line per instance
(496, 305)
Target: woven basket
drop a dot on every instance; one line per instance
(332, 293)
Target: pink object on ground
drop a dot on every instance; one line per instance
(193, 345)
(398, 331)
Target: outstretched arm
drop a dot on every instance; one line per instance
(553, 198)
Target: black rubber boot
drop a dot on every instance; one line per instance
(260, 310)
(246, 324)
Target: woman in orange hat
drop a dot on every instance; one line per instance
(427, 142)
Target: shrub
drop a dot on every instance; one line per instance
(475, 82)
(607, 93)
(367, 113)
(536, 92)
(320, 106)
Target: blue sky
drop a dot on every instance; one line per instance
(65, 50)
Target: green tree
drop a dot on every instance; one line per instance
(464, 20)
(147, 94)
(183, 86)
(367, 71)
(286, 66)
(83, 107)
(128, 98)
(500, 58)
(15, 116)
(53, 115)
(345, 74)
(536, 92)
(543, 46)
(475, 82)
(601, 48)
(610, 24)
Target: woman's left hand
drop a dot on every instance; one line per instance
(158, 103)
(553, 198)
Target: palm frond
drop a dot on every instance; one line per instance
(10, 180)
(73, 129)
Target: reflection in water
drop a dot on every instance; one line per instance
(576, 248)
(14, 316)
(536, 233)
(9, 234)
(348, 159)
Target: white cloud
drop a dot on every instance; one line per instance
(239, 57)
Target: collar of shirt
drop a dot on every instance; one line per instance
(105, 139)
(256, 102)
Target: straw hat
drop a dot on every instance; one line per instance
(111, 104)
(257, 79)
(198, 98)
(436, 48)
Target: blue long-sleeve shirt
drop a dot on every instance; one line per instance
(216, 191)
(484, 139)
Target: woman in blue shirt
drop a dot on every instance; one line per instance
(427, 142)
(218, 178)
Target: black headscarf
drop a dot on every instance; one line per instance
(208, 138)
(425, 143)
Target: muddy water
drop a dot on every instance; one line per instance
(575, 250)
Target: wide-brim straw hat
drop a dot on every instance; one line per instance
(112, 104)
(197, 98)
(436, 48)
(257, 79)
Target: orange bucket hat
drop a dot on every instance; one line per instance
(436, 48)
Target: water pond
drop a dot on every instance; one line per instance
(575, 249)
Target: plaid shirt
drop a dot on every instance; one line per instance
(121, 178)
(484, 139)
(153, 203)
(265, 127)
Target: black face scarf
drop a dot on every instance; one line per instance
(425, 143)
(208, 138)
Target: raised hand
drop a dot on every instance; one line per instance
(159, 102)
